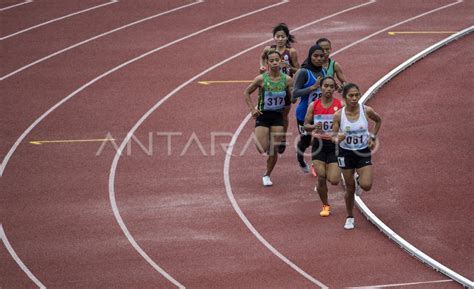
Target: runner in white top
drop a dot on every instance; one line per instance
(356, 132)
(351, 129)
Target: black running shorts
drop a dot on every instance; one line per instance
(269, 119)
(323, 150)
(348, 159)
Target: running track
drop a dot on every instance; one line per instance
(58, 200)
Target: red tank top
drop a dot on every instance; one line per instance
(325, 116)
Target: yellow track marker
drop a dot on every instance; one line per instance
(420, 32)
(40, 142)
(207, 82)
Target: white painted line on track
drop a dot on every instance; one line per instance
(248, 224)
(172, 93)
(400, 284)
(417, 253)
(64, 100)
(112, 176)
(45, 114)
(17, 259)
(114, 164)
(57, 19)
(115, 161)
(97, 37)
(248, 117)
(16, 5)
(403, 22)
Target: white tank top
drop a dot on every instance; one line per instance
(357, 132)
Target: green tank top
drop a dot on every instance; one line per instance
(330, 69)
(272, 96)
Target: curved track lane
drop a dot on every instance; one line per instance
(426, 171)
(176, 206)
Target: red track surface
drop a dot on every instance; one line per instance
(56, 210)
(426, 173)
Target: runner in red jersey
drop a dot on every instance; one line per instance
(318, 120)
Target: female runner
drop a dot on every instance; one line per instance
(355, 144)
(318, 120)
(274, 96)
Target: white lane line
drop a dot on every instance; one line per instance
(97, 37)
(399, 284)
(17, 259)
(115, 161)
(239, 130)
(33, 125)
(403, 22)
(57, 19)
(61, 102)
(248, 224)
(408, 247)
(172, 93)
(114, 164)
(16, 5)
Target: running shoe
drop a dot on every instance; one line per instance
(349, 225)
(326, 211)
(266, 181)
(304, 168)
(313, 171)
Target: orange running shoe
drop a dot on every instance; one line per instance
(326, 211)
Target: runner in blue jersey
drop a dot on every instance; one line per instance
(306, 88)
(333, 68)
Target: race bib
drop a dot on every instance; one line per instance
(315, 95)
(355, 140)
(325, 120)
(274, 100)
(341, 162)
(302, 130)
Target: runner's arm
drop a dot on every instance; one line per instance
(300, 79)
(294, 60)
(337, 136)
(308, 119)
(256, 83)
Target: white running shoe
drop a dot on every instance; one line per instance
(266, 181)
(349, 225)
